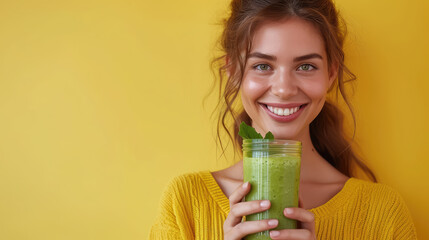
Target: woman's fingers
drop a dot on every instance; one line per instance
(299, 214)
(246, 208)
(239, 193)
(241, 209)
(295, 234)
(306, 218)
(236, 197)
(245, 228)
(235, 229)
(233, 226)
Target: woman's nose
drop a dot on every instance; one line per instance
(284, 85)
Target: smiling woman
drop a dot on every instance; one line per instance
(294, 81)
(284, 57)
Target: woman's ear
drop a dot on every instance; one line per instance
(333, 73)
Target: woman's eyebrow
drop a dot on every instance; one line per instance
(308, 56)
(262, 55)
(274, 58)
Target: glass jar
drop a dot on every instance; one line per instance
(272, 167)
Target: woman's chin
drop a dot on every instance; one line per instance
(284, 136)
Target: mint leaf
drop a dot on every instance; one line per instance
(248, 132)
(269, 135)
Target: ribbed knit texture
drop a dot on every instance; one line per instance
(194, 207)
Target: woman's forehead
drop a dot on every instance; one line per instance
(293, 36)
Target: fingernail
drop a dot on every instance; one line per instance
(273, 222)
(274, 233)
(265, 203)
(245, 185)
(289, 210)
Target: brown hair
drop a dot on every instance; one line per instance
(326, 130)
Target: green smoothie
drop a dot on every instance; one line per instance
(274, 175)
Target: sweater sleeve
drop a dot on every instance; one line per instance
(173, 220)
(403, 223)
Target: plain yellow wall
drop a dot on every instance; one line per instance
(101, 105)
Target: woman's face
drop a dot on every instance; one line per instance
(286, 78)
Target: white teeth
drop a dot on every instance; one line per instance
(287, 111)
(283, 111)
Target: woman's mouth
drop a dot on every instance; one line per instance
(284, 114)
(283, 111)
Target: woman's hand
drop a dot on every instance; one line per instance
(307, 225)
(234, 228)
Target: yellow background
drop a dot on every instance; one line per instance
(101, 105)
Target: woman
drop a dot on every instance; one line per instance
(284, 57)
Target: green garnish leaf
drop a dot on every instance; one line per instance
(248, 132)
(269, 135)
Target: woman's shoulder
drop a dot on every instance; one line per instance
(187, 183)
(182, 190)
(386, 204)
(367, 209)
(375, 190)
(196, 190)
(363, 195)
(187, 178)
(379, 199)
(183, 197)
(199, 185)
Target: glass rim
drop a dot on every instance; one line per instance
(273, 141)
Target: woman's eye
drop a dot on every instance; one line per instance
(306, 67)
(262, 67)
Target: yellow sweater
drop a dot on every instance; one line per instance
(194, 207)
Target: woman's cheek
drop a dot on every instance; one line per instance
(315, 90)
(253, 88)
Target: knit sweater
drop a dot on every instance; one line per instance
(194, 207)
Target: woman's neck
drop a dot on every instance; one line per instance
(313, 166)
